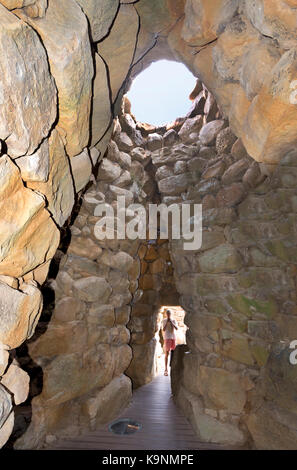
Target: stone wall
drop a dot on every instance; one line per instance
(239, 292)
(84, 349)
(65, 67)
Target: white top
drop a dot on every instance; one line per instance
(169, 333)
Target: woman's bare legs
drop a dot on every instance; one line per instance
(166, 362)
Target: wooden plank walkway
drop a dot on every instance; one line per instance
(163, 425)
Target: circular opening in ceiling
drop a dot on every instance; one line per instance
(160, 93)
(124, 426)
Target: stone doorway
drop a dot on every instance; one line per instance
(156, 288)
(178, 314)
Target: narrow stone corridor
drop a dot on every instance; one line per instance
(105, 218)
(163, 425)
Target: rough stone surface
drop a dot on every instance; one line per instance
(208, 428)
(100, 16)
(91, 289)
(209, 132)
(224, 258)
(16, 381)
(109, 171)
(5, 405)
(81, 168)
(157, 16)
(174, 184)
(121, 260)
(109, 401)
(6, 429)
(27, 88)
(35, 167)
(21, 250)
(59, 189)
(119, 47)
(101, 106)
(20, 311)
(191, 125)
(64, 32)
(142, 365)
(69, 369)
(281, 436)
(154, 142)
(273, 20)
(204, 20)
(223, 389)
(124, 142)
(4, 358)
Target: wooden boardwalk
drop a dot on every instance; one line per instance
(163, 425)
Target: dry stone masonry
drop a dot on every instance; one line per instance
(68, 141)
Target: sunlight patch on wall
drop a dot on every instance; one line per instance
(161, 92)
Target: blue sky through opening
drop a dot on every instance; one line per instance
(160, 93)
